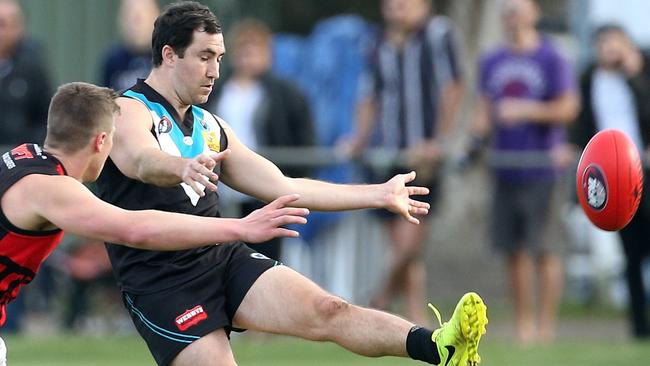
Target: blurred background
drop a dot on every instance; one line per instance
(547, 274)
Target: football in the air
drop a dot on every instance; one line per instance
(609, 180)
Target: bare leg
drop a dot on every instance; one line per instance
(551, 275)
(415, 292)
(211, 350)
(284, 302)
(521, 272)
(393, 283)
(407, 272)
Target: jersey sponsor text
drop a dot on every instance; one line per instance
(191, 317)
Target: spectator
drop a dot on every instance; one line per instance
(412, 93)
(262, 109)
(615, 90)
(124, 63)
(24, 85)
(527, 99)
(89, 269)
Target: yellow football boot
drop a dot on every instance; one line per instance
(458, 339)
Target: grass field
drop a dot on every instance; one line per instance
(131, 351)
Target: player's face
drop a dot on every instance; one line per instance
(194, 74)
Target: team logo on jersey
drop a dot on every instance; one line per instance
(22, 152)
(191, 318)
(212, 140)
(259, 256)
(165, 125)
(594, 187)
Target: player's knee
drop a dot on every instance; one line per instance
(330, 306)
(328, 309)
(413, 253)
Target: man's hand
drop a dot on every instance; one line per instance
(563, 156)
(513, 111)
(398, 197)
(427, 153)
(198, 172)
(632, 61)
(425, 158)
(350, 147)
(266, 223)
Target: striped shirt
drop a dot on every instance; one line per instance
(407, 83)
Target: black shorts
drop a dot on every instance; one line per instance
(172, 319)
(522, 216)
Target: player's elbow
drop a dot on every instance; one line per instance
(143, 174)
(137, 236)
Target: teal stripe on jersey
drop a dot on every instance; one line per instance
(177, 136)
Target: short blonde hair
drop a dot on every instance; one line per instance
(78, 111)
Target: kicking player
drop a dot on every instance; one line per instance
(41, 192)
(184, 303)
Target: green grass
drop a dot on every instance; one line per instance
(127, 351)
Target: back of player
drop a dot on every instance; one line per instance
(23, 251)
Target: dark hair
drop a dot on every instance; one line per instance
(176, 25)
(607, 28)
(77, 112)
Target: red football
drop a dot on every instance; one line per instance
(609, 180)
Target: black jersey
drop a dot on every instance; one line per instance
(23, 251)
(142, 271)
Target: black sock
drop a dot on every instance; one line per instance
(420, 346)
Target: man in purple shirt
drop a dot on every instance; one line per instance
(527, 98)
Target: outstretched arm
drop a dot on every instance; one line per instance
(252, 174)
(69, 205)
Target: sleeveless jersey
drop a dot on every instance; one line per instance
(23, 251)
(141, 271)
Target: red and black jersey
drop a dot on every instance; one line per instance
(23, 251)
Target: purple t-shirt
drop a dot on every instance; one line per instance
(542, 75)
